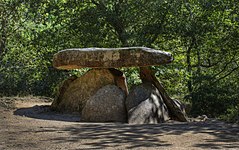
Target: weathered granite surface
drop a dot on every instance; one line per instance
(110, 57)
(106, 105)
(74, 93)
(145, 105)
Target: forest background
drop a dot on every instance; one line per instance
(202, 35)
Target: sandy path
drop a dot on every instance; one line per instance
(32, 127)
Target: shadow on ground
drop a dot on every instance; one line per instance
(44, 112)
(118, 136)
(151, 135)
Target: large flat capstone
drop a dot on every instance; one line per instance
(110, 57)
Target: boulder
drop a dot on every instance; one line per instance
(175, 107)
(106, 105)
(110, 57)
(74, 92)
(144, 105)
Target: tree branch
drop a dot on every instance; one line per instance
(224, 68)
(234, 69)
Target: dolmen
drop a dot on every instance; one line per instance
(102, 95)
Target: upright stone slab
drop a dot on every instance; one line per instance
(75, 93)
(145, 105)
(110, 57)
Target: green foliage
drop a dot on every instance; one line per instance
(231, 115)
(213, 100)
(132, 76)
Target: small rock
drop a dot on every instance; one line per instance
(202, 118)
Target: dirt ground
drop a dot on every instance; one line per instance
(28, 124)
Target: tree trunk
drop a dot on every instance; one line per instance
(114, 19)
(3, 38)
(189, 69)
(147, 75)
